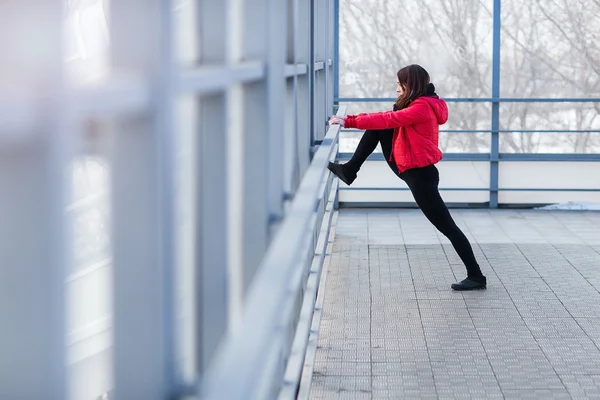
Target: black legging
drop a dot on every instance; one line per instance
(423, 184)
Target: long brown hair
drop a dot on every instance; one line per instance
(414, 79)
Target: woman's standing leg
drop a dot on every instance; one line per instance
(368, 142)
(423, 183)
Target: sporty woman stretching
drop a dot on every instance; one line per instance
(409, 140)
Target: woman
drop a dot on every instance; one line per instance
(409, 140)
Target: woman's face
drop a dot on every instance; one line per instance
(399, 88)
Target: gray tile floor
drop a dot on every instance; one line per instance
(393, 329)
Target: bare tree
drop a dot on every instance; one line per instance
(548, 50)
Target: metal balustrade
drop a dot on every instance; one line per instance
(494, 157)
(206, 146)
(216, 206)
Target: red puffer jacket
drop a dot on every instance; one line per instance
(416, 133)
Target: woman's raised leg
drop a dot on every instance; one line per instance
(368, 143)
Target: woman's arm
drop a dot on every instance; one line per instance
(416, 113)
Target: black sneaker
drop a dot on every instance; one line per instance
(470, 284)
(342, 172)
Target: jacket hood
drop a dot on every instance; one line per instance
(439, 107)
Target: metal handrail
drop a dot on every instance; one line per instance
(504, 130)
(479, 99)
(476, 189)
(560, 157)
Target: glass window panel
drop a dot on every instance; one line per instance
(452, 39)
(550, 116)
(549, 48)
(86, 40)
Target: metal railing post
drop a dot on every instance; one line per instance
(495, 138)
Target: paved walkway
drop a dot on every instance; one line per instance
(392, 328)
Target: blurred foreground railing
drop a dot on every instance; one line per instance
(266, 354)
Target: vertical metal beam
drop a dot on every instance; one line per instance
(186, 240)
(164, 107)
(185, 221)
(290, 161)
(139, 188)
(276, 88)
(255, 135)
(291, 133)
(33, 250)
(311, 72)
(212, 224)
(320, 83)
(495, 136)
(336, 49)
(138, 308)
(255, 223)
(326, 31)
(329, 59)
(236, 170)
(316, 84)
(32, 284)
(212, 185)
(304, 91)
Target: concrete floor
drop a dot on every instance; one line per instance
(392, 328)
